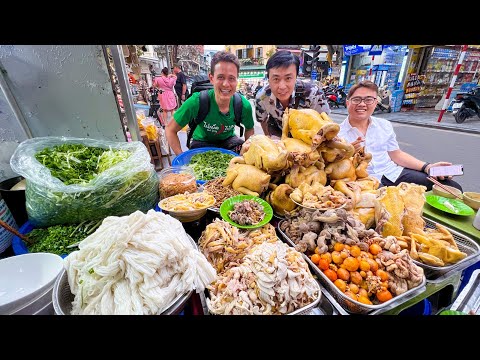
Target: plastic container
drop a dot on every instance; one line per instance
(184, 158)
(423, 307)
(175, 180)
(5, 235)
(15, 199)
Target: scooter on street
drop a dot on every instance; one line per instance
(335, 96)
(383, 100)
(466, 105)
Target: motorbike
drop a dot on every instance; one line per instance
(383, 100)
(466, 105)
(335, 96)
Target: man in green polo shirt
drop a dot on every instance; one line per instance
(218, 128)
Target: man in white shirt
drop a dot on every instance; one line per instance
(389, 164)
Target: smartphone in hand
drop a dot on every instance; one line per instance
(451, 170)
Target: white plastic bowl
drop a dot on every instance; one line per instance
(25, 277)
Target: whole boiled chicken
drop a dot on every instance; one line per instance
(265, 154)
(245, 178)
(309, 126)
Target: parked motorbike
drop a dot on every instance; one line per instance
(335, 96)
(383, 100)
(466, 105)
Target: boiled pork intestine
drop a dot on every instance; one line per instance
(318, 196)
(309, 230)
(404, 273)
(224, 245)
(273, 279)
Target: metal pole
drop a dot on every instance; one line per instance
(452, 82)
(168, 57)
(119, 62)
(13, 103)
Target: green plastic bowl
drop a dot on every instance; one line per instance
(228, 205)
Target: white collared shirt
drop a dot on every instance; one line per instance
(380, 139)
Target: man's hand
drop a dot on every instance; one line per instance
(440, 163)
(357, 144)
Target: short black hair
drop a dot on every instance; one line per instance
(282, 58)
(224, 56)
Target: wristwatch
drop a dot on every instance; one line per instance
(424, 167)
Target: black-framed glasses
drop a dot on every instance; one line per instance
(368, 100)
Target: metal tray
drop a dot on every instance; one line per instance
(305, 310)
(464, 243)
(346, 302)
(327, 305)
(62, 297)
(469, 299)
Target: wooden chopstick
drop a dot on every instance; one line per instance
(439, 184)
(15, 232)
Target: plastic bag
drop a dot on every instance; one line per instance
(140, 117)
(125, 187)
(150, 128)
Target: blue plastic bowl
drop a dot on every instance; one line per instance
(184, 158)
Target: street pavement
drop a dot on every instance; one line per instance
(428, 118)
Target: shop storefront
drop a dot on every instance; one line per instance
(251, 74)
(382, 68)
(436, 70)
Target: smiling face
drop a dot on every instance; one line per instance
(282, 82)
(362, 111)
(224, 80)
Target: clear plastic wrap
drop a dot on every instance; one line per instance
(125, 187)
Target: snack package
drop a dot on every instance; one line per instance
(150, 128)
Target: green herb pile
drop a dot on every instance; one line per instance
(97, 182)
(77, 163)
(56, 239)
(210, 164)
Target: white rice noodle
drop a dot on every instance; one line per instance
(135, 264)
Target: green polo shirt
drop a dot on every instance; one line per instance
(216, 126)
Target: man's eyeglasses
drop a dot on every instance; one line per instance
(368, 100)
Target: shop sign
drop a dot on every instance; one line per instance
(376, 50)
(355, 49)
(251, 74)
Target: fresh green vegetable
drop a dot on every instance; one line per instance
(57, 239)
(77, 163)
(210, 164)
(119, 195)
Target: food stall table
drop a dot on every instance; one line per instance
(462, 224)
